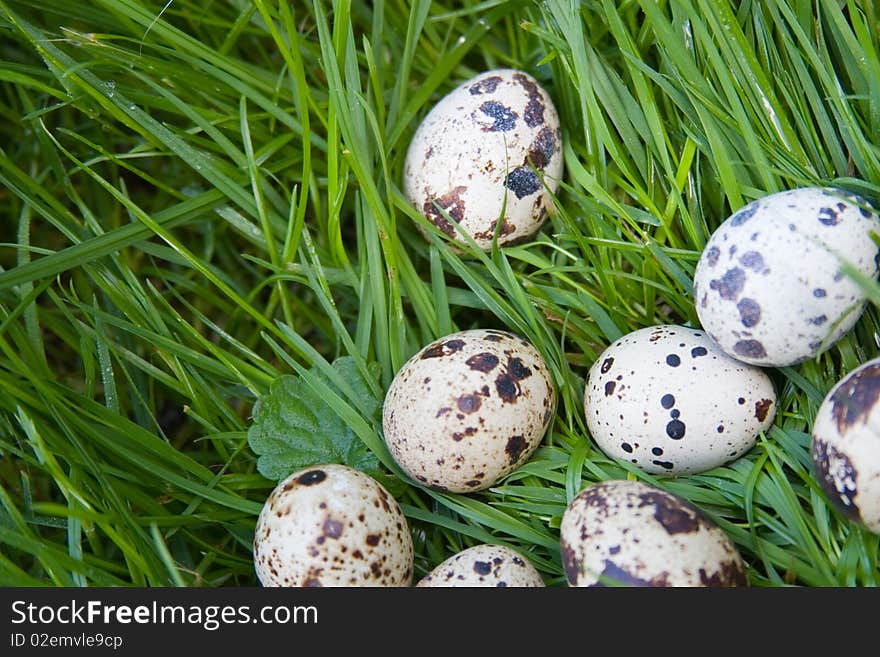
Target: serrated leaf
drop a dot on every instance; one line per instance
(294, 428)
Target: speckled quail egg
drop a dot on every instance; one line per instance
(669, 400)
(629, 533)
(769, 286)
(332, 525)
(484, 566)
(468, 409)
(846, 445)
(484, 154)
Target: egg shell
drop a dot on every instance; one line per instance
(332, 525)
(484, 566)
(668, 399)
(633, 534)
(486, 151)
(768, 286)
(468, 409)
(846, 445)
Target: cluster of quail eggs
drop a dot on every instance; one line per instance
(462, 413)
(466, 409)
(770, 291)
(469, 408)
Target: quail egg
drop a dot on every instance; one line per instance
(846, 445)
(669, 400)
(484, 566)
(468, 409)
(483, 155)
(769, 286)
(632, 534)
(332, 525)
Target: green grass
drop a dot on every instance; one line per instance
(196, 203)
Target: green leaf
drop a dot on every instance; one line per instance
(294, 427)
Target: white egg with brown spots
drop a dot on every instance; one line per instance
(489, 152)
(669, 400)
(627, 533)
(769, 287)
(332, 525)
(484, 566)
(468, 409)
(846, 445)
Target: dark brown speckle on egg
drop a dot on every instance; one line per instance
(749, 312)
(730, 285)
(504, 118)
(856, 397)
(750, 349)
(309, 478)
